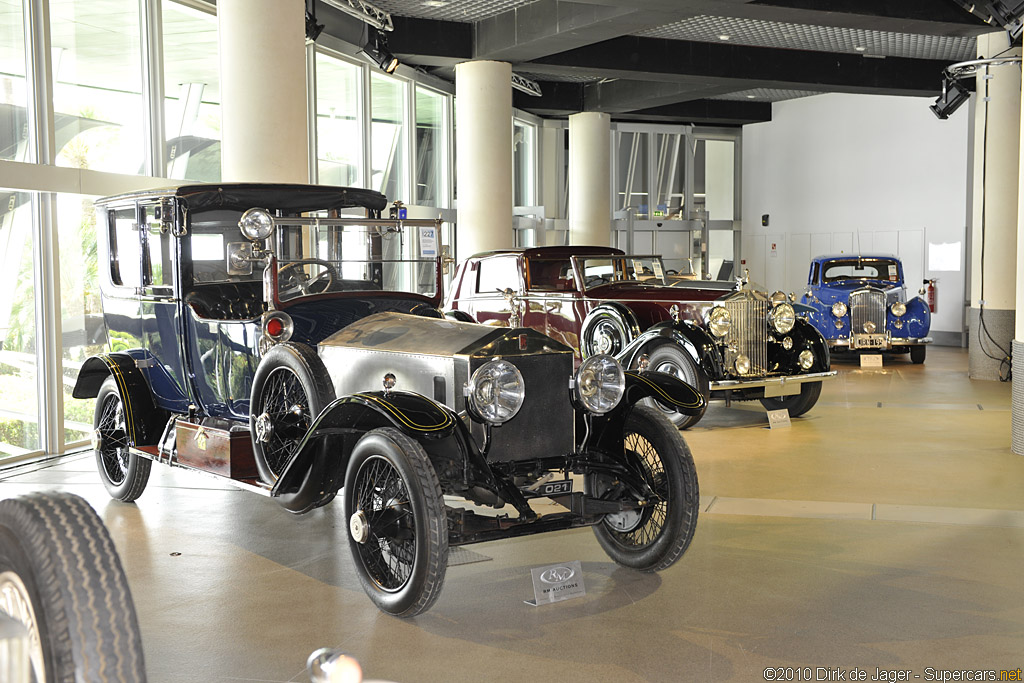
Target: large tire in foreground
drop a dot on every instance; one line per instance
(671, 359)
(397, 525)
(290, 388)
(124, 473)
(61, 578)
(654, 537)
(797, 404)
(917, 354)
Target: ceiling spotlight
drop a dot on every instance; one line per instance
(377, 49)
(860, 48)
(724, 37)
(953, 95)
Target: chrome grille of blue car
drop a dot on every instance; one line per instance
(867, 305)
(748, 335)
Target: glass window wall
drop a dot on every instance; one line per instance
(387, 136)
(631, 153)
(431, 148)
(19, 410)
(339, 128)
(97, 89)
(191, 93)
(524, 163)
(13, 95)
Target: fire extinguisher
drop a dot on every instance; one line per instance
(930, 294)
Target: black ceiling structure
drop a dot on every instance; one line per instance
(709, 62)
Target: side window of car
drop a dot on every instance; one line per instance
(157, 269)
(814, 274)
(125, 249)
(497, 273)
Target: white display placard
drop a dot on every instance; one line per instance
(871, 360)
(779, 419)
(557, 582)
(428, 242)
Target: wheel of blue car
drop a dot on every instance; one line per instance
(797, 404)
(654, 536)
(607, 331)
(674, 361)
(61, 578)
(917, 354)
(124, 474)
(290, 388)
(397, 525)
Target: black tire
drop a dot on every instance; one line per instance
(917, 354)
(60, 576)
(797, 404)
(674, 361)
(124, 473)
(397, 525)
(604, 331)
(656, 536)
(290, 388)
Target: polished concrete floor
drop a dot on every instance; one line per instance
(884, 531)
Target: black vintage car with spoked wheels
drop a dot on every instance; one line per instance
(288, 339)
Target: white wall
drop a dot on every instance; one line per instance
(832, 170)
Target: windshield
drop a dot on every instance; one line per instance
(350, 255)
(602, 270)
(861, 269)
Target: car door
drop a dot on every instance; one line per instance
(161, 331)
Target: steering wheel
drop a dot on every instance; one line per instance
(294, 281)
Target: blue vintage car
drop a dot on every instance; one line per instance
(860, 303)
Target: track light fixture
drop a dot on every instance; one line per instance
(377, 49)
(953, 95)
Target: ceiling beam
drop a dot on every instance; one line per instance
(659, 59)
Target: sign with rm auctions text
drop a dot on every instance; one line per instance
(557, 582)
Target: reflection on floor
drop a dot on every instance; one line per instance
(883, 531)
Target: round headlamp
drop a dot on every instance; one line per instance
(256, 224)
(839, 309)
(495, 392)
(719, 321)
(806, 359)
(742, 364)
(899, 309)
(782, 317)
(600, 383)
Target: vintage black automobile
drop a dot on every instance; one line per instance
(730, 340)
(288, 338)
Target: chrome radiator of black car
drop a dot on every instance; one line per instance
(748, 335)
(867, 306)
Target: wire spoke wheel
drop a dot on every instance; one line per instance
(285, 405)
(656, 534)
(391, 549)
(123, 472)
(397, 525)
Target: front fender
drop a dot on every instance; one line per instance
(693, 339)
(918, 319)
(809, 336)
(668, 390)
(316, 470)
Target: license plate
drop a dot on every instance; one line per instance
(556, 488)
(869, 341)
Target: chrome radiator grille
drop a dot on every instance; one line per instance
(748, 335)
(867, 305)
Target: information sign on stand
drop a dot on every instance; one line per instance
(557, 582)
(777, 419)
(871, 360)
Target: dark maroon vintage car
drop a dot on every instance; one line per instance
(730, 341)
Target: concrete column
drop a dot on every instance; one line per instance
(590, 180)
(263, 90)
(483, 156)
(994, 223)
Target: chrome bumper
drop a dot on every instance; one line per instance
(773, 386)
(844, 343)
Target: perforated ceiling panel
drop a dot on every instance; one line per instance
(757, 33)
(449, 10)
